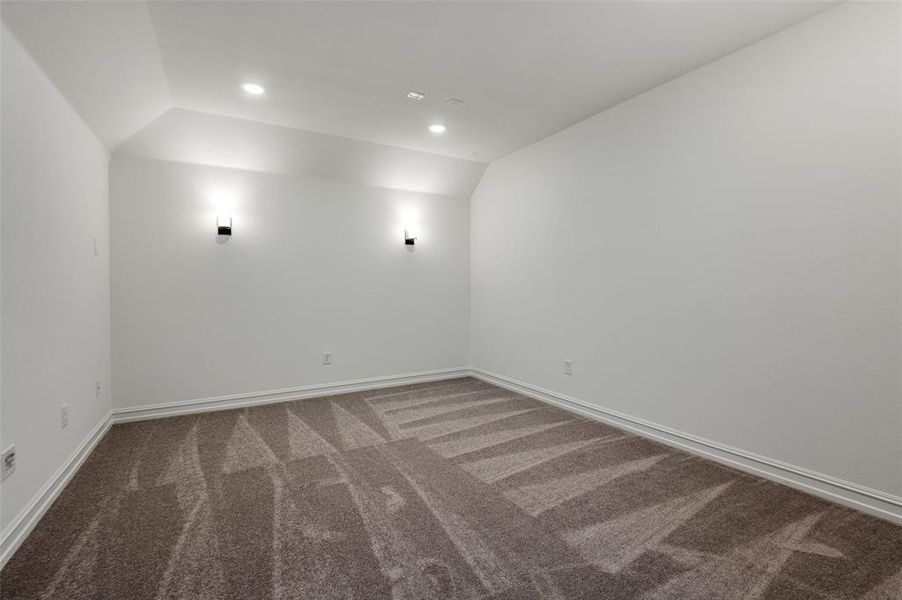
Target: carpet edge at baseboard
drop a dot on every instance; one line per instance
(24, 522)
(846, 493)
(215, 403)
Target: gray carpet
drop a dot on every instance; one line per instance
(455, 489)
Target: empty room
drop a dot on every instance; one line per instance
(419, 300)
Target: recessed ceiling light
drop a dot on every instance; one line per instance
(454, 101)
(437, 128)
(415, 95)
(254, 89)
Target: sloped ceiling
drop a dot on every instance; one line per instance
(201, 138)
(102, 56)
(521, 70)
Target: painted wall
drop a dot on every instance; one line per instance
(55, 290)
(720, 255)
(313, 265)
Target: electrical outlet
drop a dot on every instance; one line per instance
(9, 462)
(568, 367)
(327, 357)
(64, 416)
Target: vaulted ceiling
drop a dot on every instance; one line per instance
(521, 70)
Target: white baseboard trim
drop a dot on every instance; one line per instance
(873, 502)
(171, 409)
(16, 532)
(19, 528)
(867, 500)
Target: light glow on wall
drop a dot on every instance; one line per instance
(221, 203)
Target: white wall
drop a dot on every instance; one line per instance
(312, 265)
(720, 255)
(55, 290)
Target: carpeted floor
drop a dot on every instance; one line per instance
(455, 489)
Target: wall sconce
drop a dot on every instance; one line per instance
(410, 235)
(224, 225)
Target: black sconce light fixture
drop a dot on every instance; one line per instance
(224, 225)
(410, 235)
